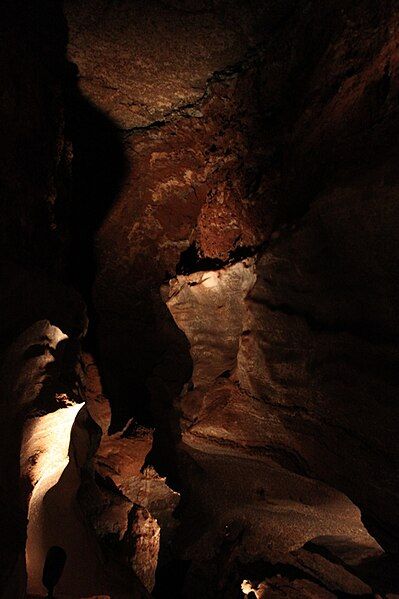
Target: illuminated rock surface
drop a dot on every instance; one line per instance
(57, 438)
(209, 308)
(199, 242)
(250, 498)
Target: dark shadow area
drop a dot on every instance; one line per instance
(258, 571)
(98, 171)
(192, 261)
(142, 334)
(13, 515)
(59, 387)
(167, 575)
(53, 568)
(99, 168)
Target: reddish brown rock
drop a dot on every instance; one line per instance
(228, 129)
(47, 440)
(130, 506)
(219, 166)
(293, 147)
(122, 70)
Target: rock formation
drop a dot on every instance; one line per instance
(199, 266)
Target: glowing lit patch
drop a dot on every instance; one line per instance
(259, 590)
(210, 279)
(48, 439)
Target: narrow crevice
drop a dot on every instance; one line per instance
(287, 458)
(192, 261)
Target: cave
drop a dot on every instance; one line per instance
(199, 269)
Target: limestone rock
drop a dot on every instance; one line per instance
(209, 306)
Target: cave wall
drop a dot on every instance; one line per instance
(34, 157)
(194, 139)
(272, 137)
(47, 439)
(35, 171)
(251, 113)
(218, 181)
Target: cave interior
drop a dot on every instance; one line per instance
(199, 271)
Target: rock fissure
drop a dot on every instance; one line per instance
(193, 109)
(213, 186)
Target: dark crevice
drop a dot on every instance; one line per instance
(99, 168)
(60, 385)
(191, 260)
(285, 457)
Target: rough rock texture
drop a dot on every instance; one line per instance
(245, 153)
(129, 504)
(209, 308)
(51, 437)
(250, 474)
(123, 71)
(243, 508)
(324, 362)
(272, 136)
(197, 172)
(279, 587)
(45, 446)
(251, 111)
